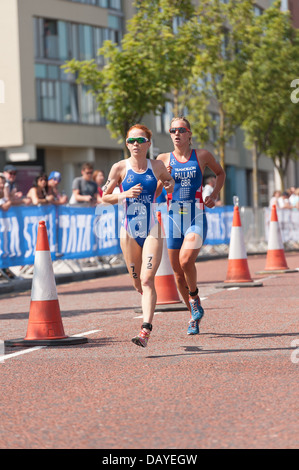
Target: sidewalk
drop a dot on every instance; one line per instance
(78, 270)
(65, 271)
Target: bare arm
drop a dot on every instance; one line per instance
(115, 177)
(6, 191)
(34, 197)
(5, 206)
(80, 197)
(164, 157)
(60, 201)
(163, 175)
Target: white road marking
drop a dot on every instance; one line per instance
(19, 353)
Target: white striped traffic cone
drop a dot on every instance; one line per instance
(164, 281)
(45, 325)
(238, 274)
(275, 261)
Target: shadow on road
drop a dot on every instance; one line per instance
(196, 350)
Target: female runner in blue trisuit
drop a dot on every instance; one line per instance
(140, 234)
(186, 223)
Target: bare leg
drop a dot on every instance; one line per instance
(183, 264)
(188, 255)
(132, 254)
(180, 279)
(151, 258)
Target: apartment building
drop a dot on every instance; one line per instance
(293, 7)
(48, 122)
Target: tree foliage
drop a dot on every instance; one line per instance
(217, 57)
(272, 120)
(137, 77)
(220, 29)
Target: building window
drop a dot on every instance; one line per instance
(258, 11)
(59, 98)
(176, 23)
(113, 4)
(62, 40)
(214, 130)
(284, 5)
(263, 188)
(163, 120)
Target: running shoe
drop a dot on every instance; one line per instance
(197, 311)
(142, 338)
(193, 328)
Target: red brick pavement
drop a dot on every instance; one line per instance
(233, 386)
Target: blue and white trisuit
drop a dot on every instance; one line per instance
(140, 214)
(186, 209)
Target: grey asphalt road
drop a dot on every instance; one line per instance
(234, 386)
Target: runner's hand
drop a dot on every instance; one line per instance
(210, 202)
(134, 191)
(169, 186)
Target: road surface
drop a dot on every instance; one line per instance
(234, 386)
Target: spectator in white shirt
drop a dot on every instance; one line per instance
(283, 201)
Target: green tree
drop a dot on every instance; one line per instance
(272, 120)
(137, 78)
(220, 30)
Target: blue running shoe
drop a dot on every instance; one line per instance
(197, 312)
(193, 328)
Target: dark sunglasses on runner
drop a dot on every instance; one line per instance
(140, 140)
(181, 130)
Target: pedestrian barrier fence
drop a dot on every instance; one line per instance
(85, 232)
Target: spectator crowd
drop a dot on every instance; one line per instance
(86, 189)
(288, 199)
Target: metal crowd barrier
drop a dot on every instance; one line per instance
(255, 229)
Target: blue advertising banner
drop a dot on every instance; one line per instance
(220, 220)
(81, 232)
(75, 235)
(85, 231)
(18, 232)
(107, 229)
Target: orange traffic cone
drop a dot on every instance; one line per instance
(238, 274)
(168, 298)
(45, 326)
(167, 293)
(275, 261)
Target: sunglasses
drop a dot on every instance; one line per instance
(88, 172)
(13, 173)
(181, 130)
(139, 140)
